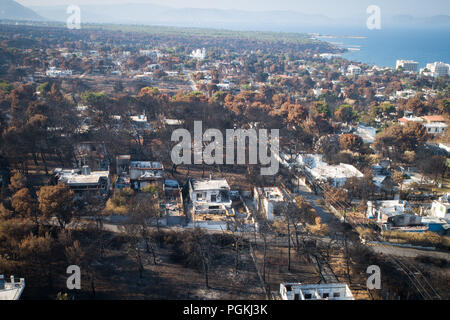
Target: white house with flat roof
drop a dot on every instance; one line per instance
(84, 181)
(320, 171)
(353, 70)
(328, 291)
(270, 200)
(366, 133)
(11, 290)
(210, 196)
(383, 210)
(435, 127)
(441, 208)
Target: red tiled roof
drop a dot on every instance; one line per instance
(434, 118)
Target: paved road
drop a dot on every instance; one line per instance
(326, 216)
(409, 252)
(192, 83)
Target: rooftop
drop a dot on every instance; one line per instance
(80, 176)
(322, 170)
(434, 118)
(272, 193)
(388, 208)
(210, 184)
(328, 291)
(11, 290)
(407, 119)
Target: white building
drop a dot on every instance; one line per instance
(320, 171)
(407, 65)
(199, 54)
(366, 133)
(210, 196)
(353, 70)
(330, 291)
(140, 122)
(53, 72)
(434, 124)
(439, 69)
(435, 127)
(404, 120)
(270, 200)
(11, 290)
(441, 208)
(330, 56)
(383, 210)
(84, 181)
(150, 53)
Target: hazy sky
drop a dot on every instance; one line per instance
(331, 8)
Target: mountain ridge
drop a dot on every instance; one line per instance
(11, 10)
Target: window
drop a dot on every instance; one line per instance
(336, 295)
(199, 196)
(296, 296)
(308, 295)
(213, 198)
(325, 295)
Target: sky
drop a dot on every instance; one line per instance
(330, 8)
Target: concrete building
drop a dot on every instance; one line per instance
(11, 290)
(441, 208)
(84, 181)
(434, 124)
(210, 196)
(405, 120)
(366, 133)
(381, 211)
(407, 65)
(435, 128)
(144, 173)
(353, 70)
(270, 201)
(329, 291)
(54, 73)
(438, 69)
(199, 54)
(319, 171)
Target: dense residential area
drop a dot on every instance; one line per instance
(87, 176)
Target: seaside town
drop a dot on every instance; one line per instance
(87, 178)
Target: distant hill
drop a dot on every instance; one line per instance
(12, 10)
(150, 14)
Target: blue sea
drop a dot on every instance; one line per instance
(383, 47)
